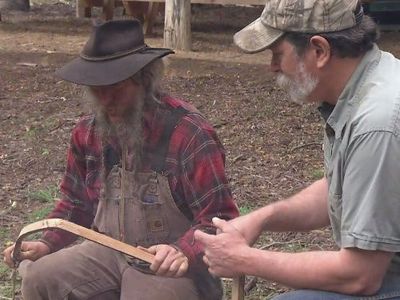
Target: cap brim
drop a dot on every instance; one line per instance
(256, 37)
(106, 72)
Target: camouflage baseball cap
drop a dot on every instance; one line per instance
(308, 16)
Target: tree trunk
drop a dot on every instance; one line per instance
(15, 4)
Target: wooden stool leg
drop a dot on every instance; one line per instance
(238, 288)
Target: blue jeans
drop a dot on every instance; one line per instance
(390, 290)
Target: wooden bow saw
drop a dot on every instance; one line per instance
(237, 284)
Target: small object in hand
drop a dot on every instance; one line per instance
(210, 229)
(140, 265)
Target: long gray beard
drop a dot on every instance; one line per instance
(299, 88)
(129, 132)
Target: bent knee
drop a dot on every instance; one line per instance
(35, 277)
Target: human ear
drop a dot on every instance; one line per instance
(321, 50)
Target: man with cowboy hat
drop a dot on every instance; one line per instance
(324, 52)
(144, 168)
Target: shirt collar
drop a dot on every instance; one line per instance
(349, 97)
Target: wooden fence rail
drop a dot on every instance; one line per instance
(177, 32)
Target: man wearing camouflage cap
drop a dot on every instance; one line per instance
(325, 52)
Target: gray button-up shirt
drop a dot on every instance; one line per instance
(362, 157)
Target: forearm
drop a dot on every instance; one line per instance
(307, 210)
(345, 271)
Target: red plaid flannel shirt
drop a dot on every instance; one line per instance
(195, 165)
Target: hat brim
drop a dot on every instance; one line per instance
(256, 37)
(107, 72)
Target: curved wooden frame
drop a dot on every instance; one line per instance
(82, 232)
(237, 284)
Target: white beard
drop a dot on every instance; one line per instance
(300, 87)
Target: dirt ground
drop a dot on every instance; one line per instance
(273, 146)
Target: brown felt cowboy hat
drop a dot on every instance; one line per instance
(114, 52)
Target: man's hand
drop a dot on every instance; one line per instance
(225, 252)
(168, 261)
(29, 250)
(249, 226)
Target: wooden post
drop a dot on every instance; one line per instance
(80, 8)
(108, 9)
(150, 17)
(136, 9)
(177, 33)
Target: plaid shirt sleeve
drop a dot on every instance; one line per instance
(200, 182)
(79, 187)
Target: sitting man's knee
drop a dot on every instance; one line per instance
(34, 277)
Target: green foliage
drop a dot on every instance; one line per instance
(32, 131)
(317, 174)
(39, 127)
(40, 213)
(6, 284)
(3, 233)
(46, 195)
(296, 246)
(6, 290)
(245, 209)
(3, 271)
(5, 236)
(45, 152)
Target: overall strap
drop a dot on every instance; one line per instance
(161, 149)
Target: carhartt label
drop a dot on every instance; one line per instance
(156, 225)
